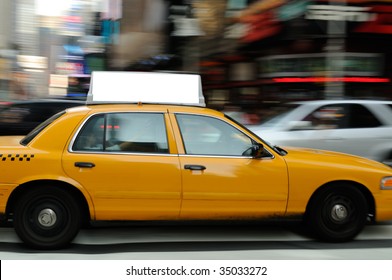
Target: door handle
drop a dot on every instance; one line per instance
(194, 167)
(84, 164)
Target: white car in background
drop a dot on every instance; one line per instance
(359, 127)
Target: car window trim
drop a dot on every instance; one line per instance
(36, 131)
(110, 152)
(244, 130)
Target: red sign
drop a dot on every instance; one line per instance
(332, 79)
(382, 23)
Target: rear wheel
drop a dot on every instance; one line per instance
(47, 218)
(337, 214)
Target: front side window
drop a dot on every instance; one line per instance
(123, 132)
(327, 117)
(204, 135)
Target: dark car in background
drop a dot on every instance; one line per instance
(20, 117)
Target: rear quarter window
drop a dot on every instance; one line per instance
(26, 140)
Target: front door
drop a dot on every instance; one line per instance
(220, 178)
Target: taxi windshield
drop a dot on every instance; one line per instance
(27, 139)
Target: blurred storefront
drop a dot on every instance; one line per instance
(274, 51)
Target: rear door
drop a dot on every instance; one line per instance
(125, 163)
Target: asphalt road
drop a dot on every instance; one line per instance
(201, 242)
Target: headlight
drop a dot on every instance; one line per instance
(386, 183)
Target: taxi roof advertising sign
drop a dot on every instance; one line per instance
(146, 87)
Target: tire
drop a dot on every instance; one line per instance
(47, 218)
(338, 213)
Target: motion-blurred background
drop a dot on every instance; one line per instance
(253, 55)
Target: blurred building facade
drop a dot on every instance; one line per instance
(273, 51)
(50, 48)
(6, 50)
(250, 53)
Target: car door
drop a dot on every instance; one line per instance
(220, 179)
(123, 160)
(323, 129)
(356, 132)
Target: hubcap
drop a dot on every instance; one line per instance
(47, 217)
(339, 212)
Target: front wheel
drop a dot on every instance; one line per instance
(337, 214)
(47, 218)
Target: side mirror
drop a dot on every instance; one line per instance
(300, 125)
(257, 150)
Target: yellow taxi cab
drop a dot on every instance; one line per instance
(138, 161)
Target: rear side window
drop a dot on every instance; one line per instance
(123, 132)
(361, 117)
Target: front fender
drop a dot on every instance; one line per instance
(381, 152)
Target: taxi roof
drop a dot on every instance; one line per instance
(145, 87)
